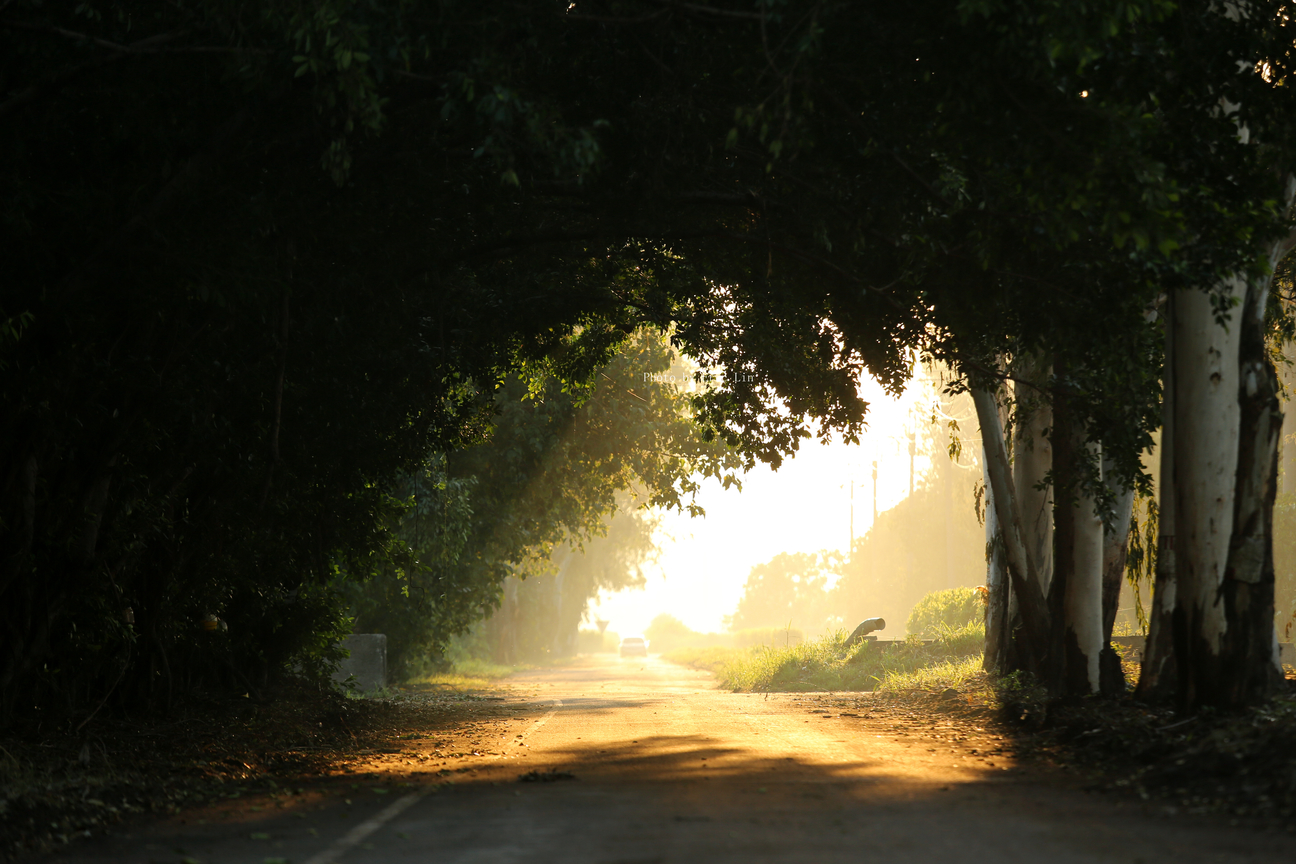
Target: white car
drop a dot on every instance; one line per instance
(634, 646)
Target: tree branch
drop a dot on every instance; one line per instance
(699, 9)
(146, 46)
(65, 75)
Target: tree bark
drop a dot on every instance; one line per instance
(1249, 652)
(1064, 544)
(996, 584)
(1207, 427)
(1032, 462)
(1021, 571)
(1082, 601)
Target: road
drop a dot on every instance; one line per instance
(665, 768)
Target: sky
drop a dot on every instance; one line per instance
(803, 507)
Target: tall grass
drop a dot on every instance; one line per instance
(951, 660)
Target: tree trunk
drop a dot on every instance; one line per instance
(1021, 571)
(1250, 663)
(1075, 591)
(1082, 602)
(1158, 677)
(1207, 426)
(1032, 462)
(996, 584)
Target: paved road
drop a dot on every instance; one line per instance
(667, 769)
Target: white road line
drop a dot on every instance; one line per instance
(557, 703)
(358, 834)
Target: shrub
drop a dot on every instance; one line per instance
(942, 611)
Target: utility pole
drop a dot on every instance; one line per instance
(874, 522)
(913, 446)
(850, 550)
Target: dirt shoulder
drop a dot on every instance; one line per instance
(1238, 767)
(211, 760)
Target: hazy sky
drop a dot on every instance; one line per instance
(803, 507)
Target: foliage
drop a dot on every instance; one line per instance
(414, 589)
(549, 504)
(1141, 554)
(261, 264)
(943, 611)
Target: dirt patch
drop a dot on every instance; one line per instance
(1240, 766)
(218, 759)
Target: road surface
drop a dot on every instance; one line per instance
(665, 768)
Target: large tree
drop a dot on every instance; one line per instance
(267, 259)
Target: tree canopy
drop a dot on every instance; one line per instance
(269, 265)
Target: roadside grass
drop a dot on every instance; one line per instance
(467, 674)
(953, 659)
(711, 659)
(962, 673)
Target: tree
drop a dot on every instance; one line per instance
(789, 589)
(321, 238)
(560, 464)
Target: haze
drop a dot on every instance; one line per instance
(805, 506)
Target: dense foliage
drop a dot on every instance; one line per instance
(943, 611)
(269, 267)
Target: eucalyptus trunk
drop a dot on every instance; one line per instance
(1207, 426)
(1082, 602)
(1032, 462)
(997, 586)
(1250, 664)
(1031, 640)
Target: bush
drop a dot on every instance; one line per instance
(942, 611)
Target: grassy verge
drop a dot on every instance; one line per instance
(828, 664)
(713, 659)
(465, 675)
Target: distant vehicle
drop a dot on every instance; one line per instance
(634, 646)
